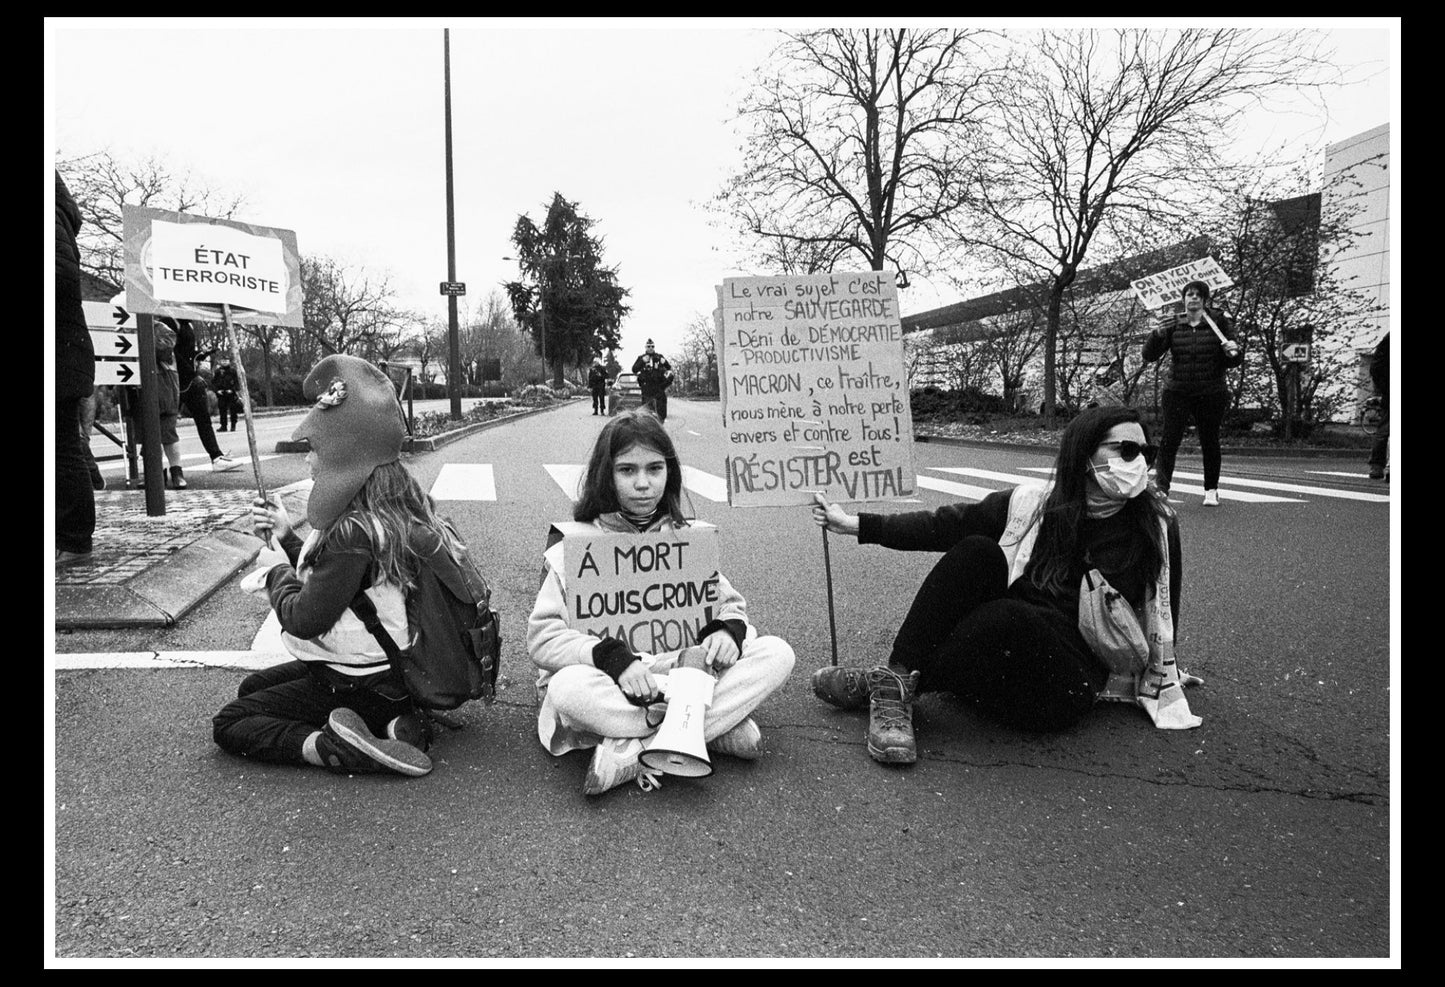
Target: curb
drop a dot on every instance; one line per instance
(1264, 452)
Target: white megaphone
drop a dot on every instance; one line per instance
(678, 747)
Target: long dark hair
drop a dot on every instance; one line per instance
(1052, 566)
(639, 427)
(387, 506)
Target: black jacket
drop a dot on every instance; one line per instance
(1380, 366)
(597, 379)
(74, 353)
(654, 373)
(1198, 362)
(225, 379)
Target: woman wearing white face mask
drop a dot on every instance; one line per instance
(997, 620)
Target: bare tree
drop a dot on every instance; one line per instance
(101, 184)
(860, 141)
(350, 310)
(1102, 134)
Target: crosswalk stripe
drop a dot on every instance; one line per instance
(465, 481)
(987, 474)
(1293, 488)
(568, 476)
(963, 490)
(1352, 476)
(1177, 488)
(714, 488)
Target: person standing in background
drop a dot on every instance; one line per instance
(654, 377)
(228, 398)
(193, 392)
(597, 384)
(74, 382)
(1202, 348)
(1380, 375)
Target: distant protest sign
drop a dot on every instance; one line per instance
(1158, 290)
(652, 591)
(188, 266)
(814, 389)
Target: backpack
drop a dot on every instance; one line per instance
(458, 646)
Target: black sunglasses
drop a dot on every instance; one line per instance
(1129, 449)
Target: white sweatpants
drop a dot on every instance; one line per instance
(583, 704)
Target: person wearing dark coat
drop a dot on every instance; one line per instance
(74, 382)
(228, 398)
(193, 393)
(654, 377)
(597, 384)
(1380, 375)
(1201, 347)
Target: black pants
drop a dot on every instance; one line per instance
(228, 403)
(194, 398)
(658, 403)
(599, 402)
(1020, 662)
(1207, 410)
(1380, 451)
(74, 494)
(277, 708)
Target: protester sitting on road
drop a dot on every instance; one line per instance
(1196, 387)
(589, 688)
(338, 704)
(998, 619)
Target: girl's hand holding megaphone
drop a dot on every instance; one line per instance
(637, 683)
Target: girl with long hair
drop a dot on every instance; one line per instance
(590, 688)
(338, 705)
(997, 620)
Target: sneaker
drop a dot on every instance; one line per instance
(347, 746)
(744, 740)
(1211, 498)
(890, 716)
(224, 464)
(410, 728)
(615, 762)
(845, 688)
(178, 478)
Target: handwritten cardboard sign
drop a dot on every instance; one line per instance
(1163, 288)
(650, 590)
(814, 389)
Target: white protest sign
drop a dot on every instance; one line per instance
(1163, 288)
(814, 389)
(188, 266)
(194, 263)
(652, 591)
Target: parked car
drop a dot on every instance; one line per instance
(623, 394)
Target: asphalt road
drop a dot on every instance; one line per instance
(1265, 833)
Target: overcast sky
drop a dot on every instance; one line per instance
(334, 129)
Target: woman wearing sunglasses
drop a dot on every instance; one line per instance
(1201, 347)
(997, 620)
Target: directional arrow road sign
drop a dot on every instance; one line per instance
(114, 344)
(126, 372)
(106, 315)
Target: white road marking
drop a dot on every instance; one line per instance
(170, 659)
(1352, 476)
(1176, 488)
(268, 637)
(714, 488)
(1291, 488)
(691, 432)
(465, 481)
(988, 474)
(957, 489)
(568, 476)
